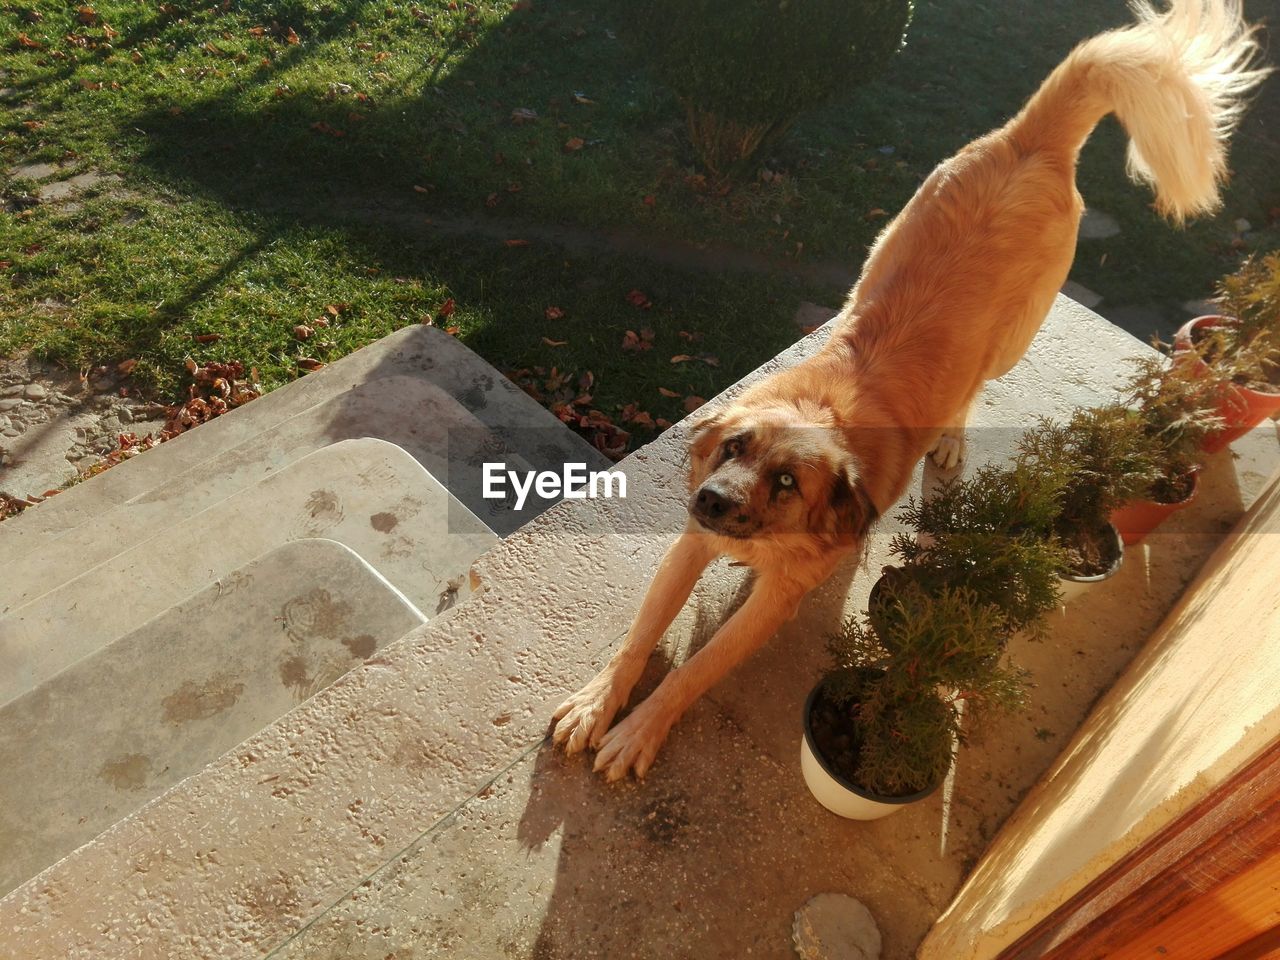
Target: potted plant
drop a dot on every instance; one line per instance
(989, 533)
(1242, 345)
(1177, 410)
(881, 727)
(1103, 459)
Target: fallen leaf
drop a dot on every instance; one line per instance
(681, 358)
(446, 308)
(25, 41)
(709, 360)
(302, 331)
(553, 313)
(515, 243)
(637, 341)
(208, 337)
(90, 85)
(574, 144)
(308, 363)
(452, 331)
(418, 189)
(291, 37)
(333, 309)
(125, 367)
(580, 97)
(637, 299)
(809, 328)
(693, 402)
(876, 213)
(522, 115)
(650, 200)
(554, 343)
(643, 419)
(321, 127)
(667, 393)
(662, 423)
(491, 200)
(690, 337)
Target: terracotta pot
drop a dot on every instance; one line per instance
(1073, 586)
(1139, 517)
(1243, 408)
(841, 796)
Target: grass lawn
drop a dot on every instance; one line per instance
(281, 157)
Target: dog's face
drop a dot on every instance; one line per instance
(767, 472)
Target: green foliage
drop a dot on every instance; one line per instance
(946, 649)
(1104, 458)
(990, 534)
(1251, 295)
(1176, 406)
(746, 72)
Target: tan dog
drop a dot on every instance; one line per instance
(788, 478)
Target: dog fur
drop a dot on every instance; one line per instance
(788, 478)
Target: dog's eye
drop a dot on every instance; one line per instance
(732, 448)
(786, 481)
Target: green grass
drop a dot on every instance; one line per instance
(257, 171)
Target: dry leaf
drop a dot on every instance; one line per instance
(553, 313)
(308, 363)
(302, 331)
(681, 358)
(637, 299)
(554, 343)
(446, 308)
(574, 144)
(693, 402)
(125, 367)
(876, 214)
(208, 337)
(515, 243)
(667, 393)
(523, 115)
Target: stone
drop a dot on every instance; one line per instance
(1243, 226)
(180, 691)
(11, 403)
(367, 494)
(14, 390)
(1081, 294)
(34, 171)
(61, 189)
(1096, 225)
(835, 926)
(417, 351)
(36, 391)
(412, 413)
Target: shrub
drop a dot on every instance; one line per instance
(990, 534)
(1177, 407)
(1105, 459)
(1252, 296)
(903, 709)
(745, 70)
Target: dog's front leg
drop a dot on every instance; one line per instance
(584, 718)
(950, 449)
(634, 742)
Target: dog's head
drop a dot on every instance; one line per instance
(769, 471)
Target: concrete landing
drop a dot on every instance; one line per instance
(419, 352)
(426, 765)
(367, 494)
(116, 729)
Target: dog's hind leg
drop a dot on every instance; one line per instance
(583, 719)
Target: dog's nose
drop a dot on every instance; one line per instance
(713, 504)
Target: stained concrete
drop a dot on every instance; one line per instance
(118, 728)
(419, 352)
(367, 494)
(419, 743)
(414, 414)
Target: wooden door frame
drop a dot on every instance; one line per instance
(1232, 828)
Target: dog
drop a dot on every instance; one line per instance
(789, 478)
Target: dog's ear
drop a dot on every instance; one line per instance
(704, 437)
(851, 505)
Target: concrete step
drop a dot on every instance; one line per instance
(420, 352)
(367, 494)
(410, 412)
(111, 732)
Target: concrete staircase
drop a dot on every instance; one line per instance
(153, 618)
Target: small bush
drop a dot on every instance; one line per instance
(1252, 296)
(745, 70)
(1177, 408)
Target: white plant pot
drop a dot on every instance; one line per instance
(837, 794)
(1072, 587)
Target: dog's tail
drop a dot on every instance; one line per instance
(1177, 82)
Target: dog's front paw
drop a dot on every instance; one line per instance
(949, 452)
(632, 744)
(584, 718)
